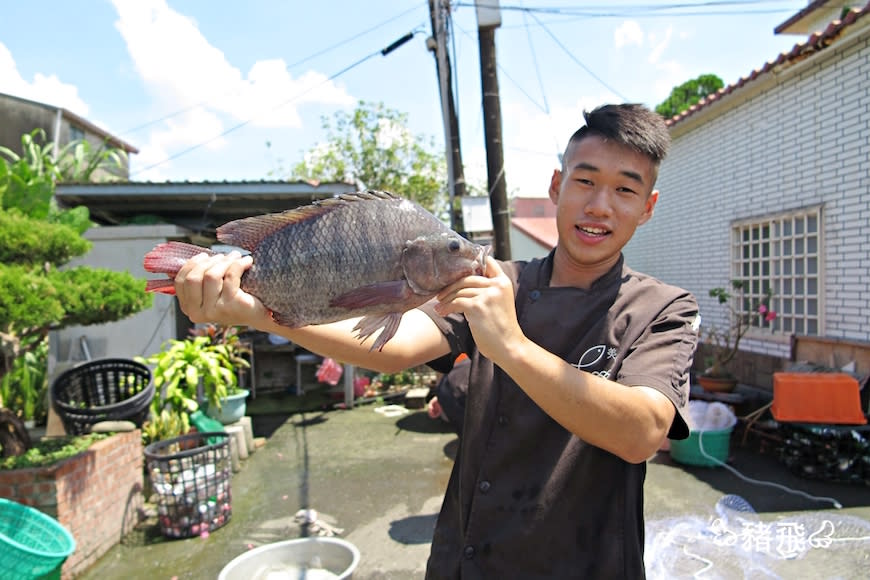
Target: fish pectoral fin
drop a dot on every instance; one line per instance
(285, 320)
(381, 293)
(368, 325)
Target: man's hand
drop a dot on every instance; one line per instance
(488, 304)
(208, 291)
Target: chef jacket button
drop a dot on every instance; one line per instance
(502, 420)
(484, 486)
(535, 294)
(469, 552)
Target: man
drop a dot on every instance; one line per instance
(579, 370)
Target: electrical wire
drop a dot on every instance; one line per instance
(237, 126)
(288, 68)
(577, 60)
(638, 10)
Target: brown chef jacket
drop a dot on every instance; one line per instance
(526, 498)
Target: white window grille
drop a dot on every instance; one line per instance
(778, 259)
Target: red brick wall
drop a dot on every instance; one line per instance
(96, 495)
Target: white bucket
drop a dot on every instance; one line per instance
(309, 558)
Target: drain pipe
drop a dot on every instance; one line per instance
(58, 118)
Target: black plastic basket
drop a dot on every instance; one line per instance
(110, 389)
(191, 476)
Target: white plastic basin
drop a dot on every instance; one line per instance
(303, 558)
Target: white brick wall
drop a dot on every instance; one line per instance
(803, 141)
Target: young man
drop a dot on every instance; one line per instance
(579, 370)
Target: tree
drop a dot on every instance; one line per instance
(373, 147)
(37, 238)
(687, 94)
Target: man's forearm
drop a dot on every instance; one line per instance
(630, 422)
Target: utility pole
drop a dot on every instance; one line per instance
(488, 19)
(455, 173)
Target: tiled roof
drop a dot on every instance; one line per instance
(807, 10)
(540, 229)
(815, 43)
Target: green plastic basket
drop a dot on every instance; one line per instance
(32, 544)
(715, 445)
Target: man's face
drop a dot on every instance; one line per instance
(602, 195)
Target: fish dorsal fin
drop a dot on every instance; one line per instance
(248, 232)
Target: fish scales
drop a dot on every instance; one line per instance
(332, 255)
(369, 254)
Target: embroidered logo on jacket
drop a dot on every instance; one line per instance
(593, 357)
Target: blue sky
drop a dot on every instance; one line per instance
(222, 79)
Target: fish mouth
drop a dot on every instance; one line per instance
(479, 265)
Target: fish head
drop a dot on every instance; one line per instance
(433, 262)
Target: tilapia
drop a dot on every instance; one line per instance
(370, 254)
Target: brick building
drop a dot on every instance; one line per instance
(767, 182)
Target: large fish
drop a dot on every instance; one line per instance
(369, 254)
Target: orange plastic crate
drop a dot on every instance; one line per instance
(831, 398)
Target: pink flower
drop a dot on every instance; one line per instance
(770, 316)
(762, 309)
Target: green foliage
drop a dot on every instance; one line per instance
(26, 240)
(27, 180)
(168, 423)
(25, 386)
(689, 93)
(742, 315)
(37, 237)
(374, 147)
(51, 451)
(96, 296)
(210, 359)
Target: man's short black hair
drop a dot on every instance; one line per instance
(632, 125)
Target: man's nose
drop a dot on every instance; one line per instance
(599, 202)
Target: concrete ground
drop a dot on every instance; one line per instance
(381, 479)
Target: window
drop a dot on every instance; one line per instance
(778, 259)
(76, 133)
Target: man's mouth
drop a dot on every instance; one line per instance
(593, 231)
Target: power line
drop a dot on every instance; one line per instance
(383, 52)
(288, 68)
(577, 60)
(640, 10)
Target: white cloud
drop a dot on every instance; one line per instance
(47, 89)
(629, 32)
(659, 46)
(182, 132)
(533, 141)
(181, 67)
(183, 70)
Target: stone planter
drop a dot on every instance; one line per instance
(96, 495)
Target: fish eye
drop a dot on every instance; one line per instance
(453, 245)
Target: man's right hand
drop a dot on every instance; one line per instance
(208, 291)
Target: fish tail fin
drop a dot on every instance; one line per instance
(168, 258)
(166, 286)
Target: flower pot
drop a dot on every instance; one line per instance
(717, 384)
(232, 408)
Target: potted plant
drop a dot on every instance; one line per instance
(201, 370)
(24, 388)
(724, 341)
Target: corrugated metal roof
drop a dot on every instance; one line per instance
(814, 44)
(201, 206)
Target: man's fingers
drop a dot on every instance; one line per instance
(493, 268)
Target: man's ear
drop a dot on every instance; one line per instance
(649, 207)
(555, 186)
